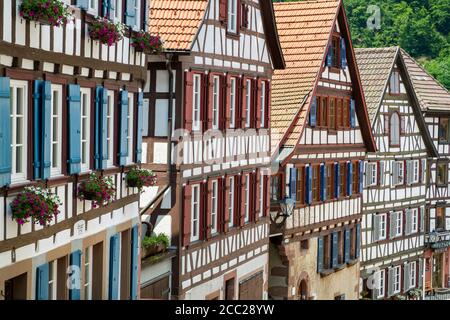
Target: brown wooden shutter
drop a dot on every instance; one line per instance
(240, 100)
(244, 15)
(220, 204)
(204, 102)
(203, 211)
(208, 207)
(188, 91)
(239, 14)
(241, 220)
(266, 195)
(227, 101)
(402, 125)
(386, 124)
(210, 103)
(257, 193)
(258, 103)
(267, 105)
(223, 11)
(243, 115)
(187, 199)
(378, 173)
(226, 214)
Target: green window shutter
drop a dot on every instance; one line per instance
(46, 128)
(139, 128)
(123, 128)
(5, 132)
(74, 125)
(114, 260)
(42, 276)
(134, 262)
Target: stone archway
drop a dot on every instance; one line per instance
(303, 288)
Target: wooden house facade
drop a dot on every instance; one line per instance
(206, 134)
(318, 110)
(435, 105)
(395, 178)
(70, 106)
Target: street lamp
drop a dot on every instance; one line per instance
(287, 207)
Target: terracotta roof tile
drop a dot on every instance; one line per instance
(176, 21)
(431, 94)
(375, 65)
(304, 28)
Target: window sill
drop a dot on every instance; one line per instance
(232, 35)
(326, 272)
(352, 262)
(341, 266)
(335, 69)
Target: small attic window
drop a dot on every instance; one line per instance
(394, 82)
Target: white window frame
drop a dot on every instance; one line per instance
(372, 172)
(56, 169)
(93, 6)
(396, 280)
(412, 275)
(394, 129)
(261, 195)
(117, 10)
(216, 102)
(87, 276)
(415, 166)
(247, 198)
(398, 223)
(399, 173)
(196, 101)
(233, 82)
(263, 103)
(382, 231)
(14, 86)
(85, 98)
(52, 278)
(110, 126)
(414, 220)
(232, 19)
(231, 203)
(137, 18)
(381, 277)
(130, 118)
(195, 213)
(248, 102)
(214, 205)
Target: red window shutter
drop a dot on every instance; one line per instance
(204, 102)
(244, 15)
(241, 221)
(258, 103)
(208, 207)
(227, 101)
(239, 14)
(243, 115)
(187, 199)
(402, 125)
(266, 195)
(378, 173)
(267, 105)
(188, 91)
(210, 102)
(240, 99)
(223, 11)
(202, 215)
(226, 214)
(257, 193)
(386, 124)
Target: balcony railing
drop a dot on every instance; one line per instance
(439, 294)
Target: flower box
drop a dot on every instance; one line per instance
(139, 178)
(35, 203)
(98, 189)
(152, 250)
(154, 244)
(47, 12)
(106, 31)
(144, 42)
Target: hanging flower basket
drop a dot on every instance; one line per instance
(142, 41)
(36, 203)
(106, 31)
(49, 12)
(100, 190)
(139, 178)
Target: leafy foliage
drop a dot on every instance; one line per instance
(421, 27)
(53, 12)
(155, 240)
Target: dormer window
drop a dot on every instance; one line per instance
(232, 16)
(444, 133)
(394, 129)
(394, 83)
(337, 53)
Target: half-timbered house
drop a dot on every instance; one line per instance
(70, 106)
(394, 198)
(206, 107)
(435, 105)
(318, 109)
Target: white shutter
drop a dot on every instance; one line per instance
(376, 227)
(391, 282)
(422, 218)
(408, 224)
(376, 283)
(423, 170)
(420, 275)
(382, 174)
(392, 224)
(367, 173)
(406, 276)
(394, 173)
(408, 172)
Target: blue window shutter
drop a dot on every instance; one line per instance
(112, 9)
(343, 54)
(358, 240)
(337, 178)
(352, 113)
(104, 127)
(75, 262)
(361, 176)
(82, 4)
(319, 254)
(42, 282)
(114, 252)
(308, 190)
(139, 129)
(313, 112)
(5, 132)
(346, 245)
(349, 178)
(74, 106)
(334, 249)
(323, 177)
(130, 13)
(144, 24)
(46, 124)
(37, 132)
(123, 130)
(105, 8)
(293, 183)
(97, 144)
(329, 61)
(134, 262)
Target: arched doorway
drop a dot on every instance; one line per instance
(303, 290)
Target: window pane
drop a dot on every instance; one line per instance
(19, 103)
(19, 158)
